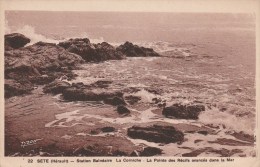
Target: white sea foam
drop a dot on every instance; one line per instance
(30, 32)
(145, 95)
(190, 145)
(67, 116)
(144, 116)
(67, 137)
(81, 134)
(227, 121)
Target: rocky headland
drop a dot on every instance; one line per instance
(42, 63)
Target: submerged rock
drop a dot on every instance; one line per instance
(131, 50)
(80, 85)
(101, 84)
(42, 79)
(105, 129)
(183, 112)
(245, 137)
(150, 151)
(108, 129)
(146, 152)
(86, 94)
(115, 101)
(92, 52)
(156, 133)
(122, 110)
(203, 132)
(56, 87)
(15, 41)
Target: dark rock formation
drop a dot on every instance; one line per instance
(86, 94)
(231, 142)
(80, 85)
(108, 129)
(156, 133)
(146, 152)
(203, 132)
(244, 137)
(150, 151)
(183, 112)
(101, 84)
(131, 50)
(14, 88)
(92, 52)
(15, 41)
(122, 110)
(42, 79)
(115, 101)
(56, 87)
(106, 51)
(37, 59)
(40, 63)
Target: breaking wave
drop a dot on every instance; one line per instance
(30, 32)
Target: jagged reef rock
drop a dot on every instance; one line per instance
(146, 152)
(131, 50)
(156, 133)
(15, 41)
(14, 88)
(92, 52)
(150, 151)
(183, 112)
(101, 84)
(106, 129)
(38, 59)
(56, 87)
(40, 63)
(86, 94)
(122, 110)
(115, 101)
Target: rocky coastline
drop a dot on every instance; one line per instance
(49, 66)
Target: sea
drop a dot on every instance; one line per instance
(208, 58)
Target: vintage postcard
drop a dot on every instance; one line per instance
(129, 83)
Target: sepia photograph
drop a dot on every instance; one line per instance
(132, 84)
